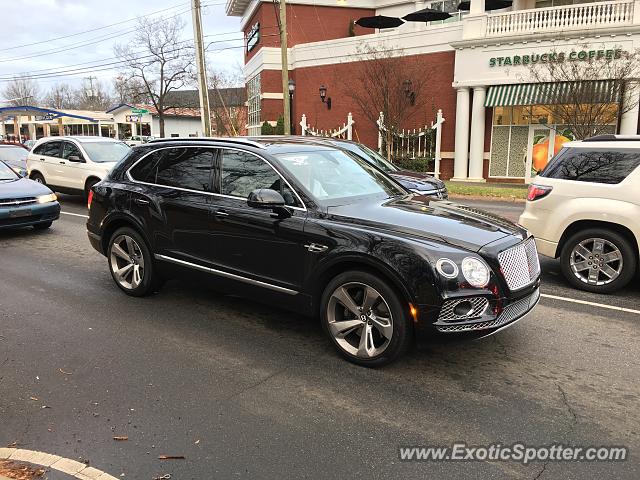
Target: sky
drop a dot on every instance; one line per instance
(30, 31)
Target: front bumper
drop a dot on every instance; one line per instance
(29, 215)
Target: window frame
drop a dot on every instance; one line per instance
(216, 173)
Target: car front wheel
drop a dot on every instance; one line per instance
(365, 319)
(131, 263)
(598, 260)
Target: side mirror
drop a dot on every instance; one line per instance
(265, 198)
(75, 158)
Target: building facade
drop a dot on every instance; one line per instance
(477, 66)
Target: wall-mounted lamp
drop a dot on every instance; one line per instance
(324, 98)
(408, 91)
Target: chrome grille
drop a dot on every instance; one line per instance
(16, 202)
(520, 264)
(447, 314)
(510, 313)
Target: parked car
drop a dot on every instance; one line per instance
(317, 230)
(584, 208)
(24, 202)
(16, 157)
(28, 144)
(138, 140)
(74, 164)
(415, 181)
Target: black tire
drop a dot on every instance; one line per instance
(87, 188)
(629, 260)
(151, 280)
(37, 177)
(402, 332)
(42, 226)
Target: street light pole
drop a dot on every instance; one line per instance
(205, 111)
(286, 104)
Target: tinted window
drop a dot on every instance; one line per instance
(597, 165)
(50, 149)
(188, 168)
(242, 173)
(70, 149)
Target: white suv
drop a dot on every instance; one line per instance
(73, 164)
(584, 208)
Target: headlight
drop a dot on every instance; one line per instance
(475, 271)
(47, 198)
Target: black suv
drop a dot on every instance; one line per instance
(317, 230)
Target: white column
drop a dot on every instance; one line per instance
(461, 156)
(477, 7)
(476, 144)
(629, 120)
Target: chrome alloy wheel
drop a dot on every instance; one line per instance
(360, 320)
(127, 262)
(596, 261)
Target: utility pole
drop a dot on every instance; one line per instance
(285, 68)
(205, 110)
(92, 95)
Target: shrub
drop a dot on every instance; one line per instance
(280, 126)
(266, 128)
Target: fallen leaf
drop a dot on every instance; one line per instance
(45, 406)
(121, 439)
(171, 457)
(197, 442)
(63, 372)
(34, 398)
(12, 445)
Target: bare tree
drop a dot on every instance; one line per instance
(165, 65)
(22, 90)
(382, 81)
(127, 90)
(92, 97)
(59, 96)
(229, 118)
(579, 99)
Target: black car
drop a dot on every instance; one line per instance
(317, 230)
(414, 181)
(25, 203)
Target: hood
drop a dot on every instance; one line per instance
(22, 187)
(417, 181)
(425, 217)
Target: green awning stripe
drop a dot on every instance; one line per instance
(600, 91)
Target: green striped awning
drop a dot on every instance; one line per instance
(597, 91)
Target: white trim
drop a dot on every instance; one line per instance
(271, 96)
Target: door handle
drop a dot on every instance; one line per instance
(221, 213)
(42, 159)
(62, 163)
(141, 201)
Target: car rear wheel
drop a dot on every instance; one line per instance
(598, 260)
(37, 177)
(131, 263)
(365, 319)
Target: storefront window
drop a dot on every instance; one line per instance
(253, 101)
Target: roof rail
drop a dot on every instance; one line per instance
(613, 138)
(236, 140)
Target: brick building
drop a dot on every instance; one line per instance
(473, 63)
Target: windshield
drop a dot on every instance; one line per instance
(377, 159)
(13, 155)
(335, 174)
(6, 173)
(106, 151)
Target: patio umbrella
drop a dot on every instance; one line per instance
(488, 5)
(426, 15)
(379, 21)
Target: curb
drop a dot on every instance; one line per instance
(55, 462)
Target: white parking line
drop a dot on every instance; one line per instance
(75, 214)
(55, 462)
(592, 304)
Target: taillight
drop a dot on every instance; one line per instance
(538, 191)
(89, 199)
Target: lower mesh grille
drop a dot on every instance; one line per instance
(447, 313)
(510, 313)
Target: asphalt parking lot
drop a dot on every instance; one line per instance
(244, 390)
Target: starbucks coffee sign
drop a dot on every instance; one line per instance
(582, 55)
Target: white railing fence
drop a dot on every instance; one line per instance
(345, 131)
(568, 17)
(412, 146)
